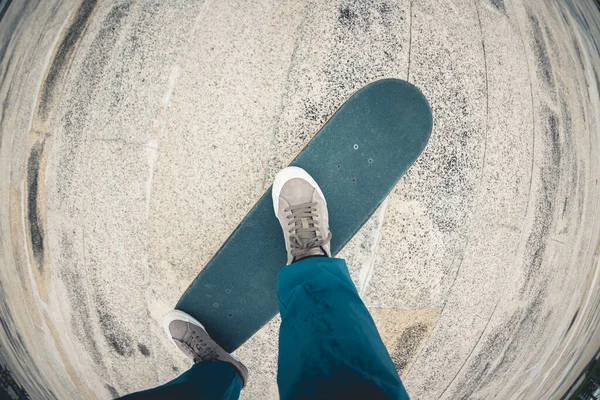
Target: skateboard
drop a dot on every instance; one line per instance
(357, 158)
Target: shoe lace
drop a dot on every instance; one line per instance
(304, 231)
(200, 349)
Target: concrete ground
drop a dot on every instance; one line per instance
(135, 136)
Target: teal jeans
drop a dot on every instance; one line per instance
(329, 347)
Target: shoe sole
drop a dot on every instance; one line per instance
(176, 315)
(285, 175)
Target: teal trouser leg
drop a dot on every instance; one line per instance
(204, 381)
(329, 347)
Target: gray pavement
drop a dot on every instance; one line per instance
(135, 136)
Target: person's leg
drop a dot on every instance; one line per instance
(215, 373)
(329, 346)
(204, 381)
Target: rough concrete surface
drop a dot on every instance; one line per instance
(135, 136)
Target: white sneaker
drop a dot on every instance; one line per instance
(191, 338)
(301, 208)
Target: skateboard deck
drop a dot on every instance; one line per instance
(357, 158)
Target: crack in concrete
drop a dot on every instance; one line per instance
(272, 147)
